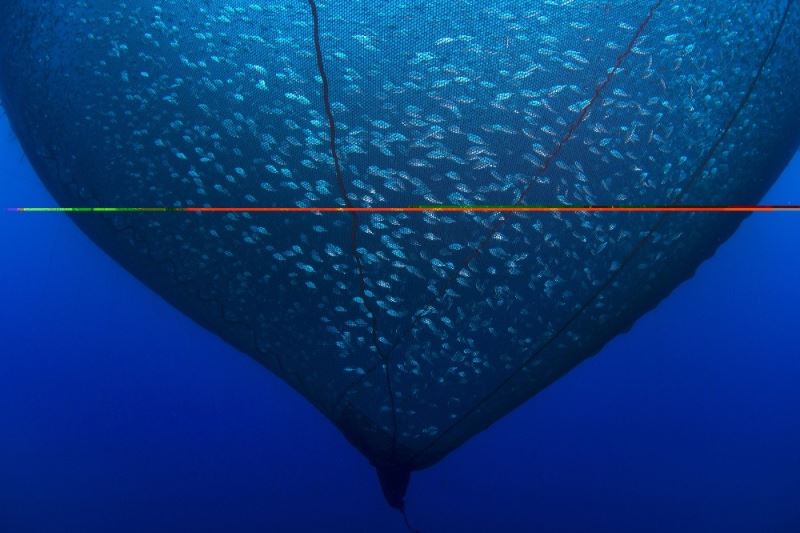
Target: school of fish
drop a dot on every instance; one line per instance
(410, 331)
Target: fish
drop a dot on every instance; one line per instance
(410, 331)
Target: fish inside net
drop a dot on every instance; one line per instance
(411, 331)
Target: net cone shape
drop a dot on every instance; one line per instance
(411, 332)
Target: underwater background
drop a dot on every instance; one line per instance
(120, 414)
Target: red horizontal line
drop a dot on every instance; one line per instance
(427, 209)
(498, 209)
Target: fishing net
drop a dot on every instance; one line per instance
(411, 331)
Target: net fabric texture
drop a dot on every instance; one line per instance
(410, 331)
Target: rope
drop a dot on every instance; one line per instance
(642, 242)
(565, 139)
(411, 528)
(373, 315)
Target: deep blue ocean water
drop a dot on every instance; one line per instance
(120, 414)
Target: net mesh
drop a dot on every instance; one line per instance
(410, 331)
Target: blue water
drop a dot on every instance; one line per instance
(120, 414)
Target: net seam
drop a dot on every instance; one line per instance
(639, 246)
(571, 130)
(371, 312)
